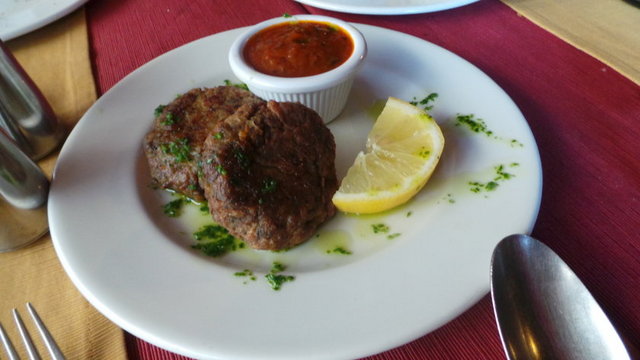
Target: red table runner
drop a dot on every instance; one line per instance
(584, 115)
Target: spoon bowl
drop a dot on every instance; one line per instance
(542, 308)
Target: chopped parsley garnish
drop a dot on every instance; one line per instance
(476, 186)
(218, 135)
(379, 228)
(275, 279)
(424, 152)
(501, 174)
(238, 85)
(474, 124)
(450, 199)
(180, 149)
(479, 126)
(220, 170)
(393, 236)
(246, 273)
(424, 102)
(242, 158)
(173, 208)
(285, 15)
(214, 240)
(158, 110)
(516, 143)
(409, 213)
(204, 208)
(169, 119)
(339, 250)
(277, 267)
(492, 185)
(269, 185)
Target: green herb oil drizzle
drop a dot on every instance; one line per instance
(275, 279)
(500, 176)
(214, 240)
(426, 102)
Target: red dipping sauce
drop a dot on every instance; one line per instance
(298, 48)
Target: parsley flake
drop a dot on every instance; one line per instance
(474, 124)
(275, 279)
(242, 86)
(379, 228)
(269, 185)
(425, 102)
(339, 250)
(173, 208)
(214, 240)
(180, 150)
(158, 110)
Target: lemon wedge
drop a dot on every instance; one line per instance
(402, 150)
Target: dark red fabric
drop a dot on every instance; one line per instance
(584, 115)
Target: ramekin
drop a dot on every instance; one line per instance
(326, 93)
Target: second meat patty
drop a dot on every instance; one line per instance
(269, 174)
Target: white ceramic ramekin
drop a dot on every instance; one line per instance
(325, 93)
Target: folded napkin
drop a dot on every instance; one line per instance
(605, 29)
(57, 59)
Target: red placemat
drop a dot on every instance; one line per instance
(584, 116)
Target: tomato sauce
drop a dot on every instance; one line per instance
(298, 48)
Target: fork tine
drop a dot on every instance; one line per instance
(8, 346)
(26, 339)
(50, 343)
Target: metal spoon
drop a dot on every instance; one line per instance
(543, 310)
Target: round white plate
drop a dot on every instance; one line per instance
(18, 17)
(136, 266)
(386, 7)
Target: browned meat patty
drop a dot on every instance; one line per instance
(174, 144)
(269, 174)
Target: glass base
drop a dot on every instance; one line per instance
(19, 227)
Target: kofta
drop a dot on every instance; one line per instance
(269, 174)
(266, 169)
(174, 144)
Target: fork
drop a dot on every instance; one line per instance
(51, 345)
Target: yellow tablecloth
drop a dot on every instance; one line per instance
(606, 29)
(57, 59)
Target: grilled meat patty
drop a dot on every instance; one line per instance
(174, 145)
(269, 174)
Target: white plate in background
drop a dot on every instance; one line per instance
(386, 7)
(18, 17)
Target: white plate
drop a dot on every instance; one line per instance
(18, 17)
(386, 7)
(135, 265)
